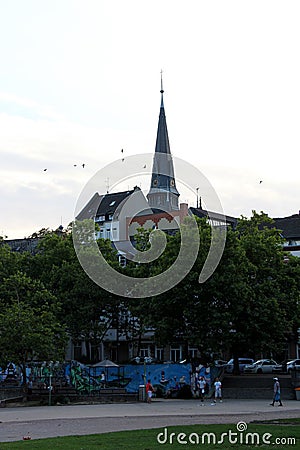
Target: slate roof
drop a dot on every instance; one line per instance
(90, 209)
(103, 205)
(290, 226)
(22, 245)
(110, 202)
(232, 221)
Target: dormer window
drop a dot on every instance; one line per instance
(112, 203)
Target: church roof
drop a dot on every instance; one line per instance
(163, 176)
(162, 138)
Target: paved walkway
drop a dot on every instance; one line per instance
(41, 422)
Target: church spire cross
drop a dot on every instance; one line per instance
(161, 89)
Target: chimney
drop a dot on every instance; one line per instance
(184, 211)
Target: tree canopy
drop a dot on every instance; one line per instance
(250, 304)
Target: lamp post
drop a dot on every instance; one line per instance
(50, 381)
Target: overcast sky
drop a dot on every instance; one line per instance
(80, 80)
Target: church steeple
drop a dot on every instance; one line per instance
(163, 193)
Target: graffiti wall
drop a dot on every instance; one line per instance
(166, 378)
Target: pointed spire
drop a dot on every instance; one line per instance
(163, 192)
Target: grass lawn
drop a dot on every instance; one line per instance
(147, 439)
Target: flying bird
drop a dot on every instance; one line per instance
(122, 151)
(144, 167)
(260, 182)
(45, 170)
(83, 166)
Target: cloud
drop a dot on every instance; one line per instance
(28, 106)
(32, 198)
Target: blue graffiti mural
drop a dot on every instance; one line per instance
(169, 380)
(165, 378)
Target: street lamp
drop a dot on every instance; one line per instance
(50, 379)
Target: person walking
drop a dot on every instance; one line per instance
(149, 391)
(218, 391)
(201, 385)
(276, 397)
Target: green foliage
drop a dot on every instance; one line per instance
(10, 261)
(28, 322)
(250, 303)
(87, 311)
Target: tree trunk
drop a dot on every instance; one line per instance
(236, 366)
(23, 370)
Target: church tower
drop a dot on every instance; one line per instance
(163, 193)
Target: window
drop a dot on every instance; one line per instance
(144, 351)
(100, 219)
(159, 353)
(77, 350)
(112, 203)
(176, 353)
(95, 352)
(122, 261)
(193, 351)
(114, 354)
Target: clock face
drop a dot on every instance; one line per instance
(155, 182)
(172, 183)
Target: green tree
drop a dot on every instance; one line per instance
(249, 304)
(87, 310)
(28, 324)
(10, 262)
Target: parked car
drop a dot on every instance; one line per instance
(220, 363)
(291, 365)
(263, 366)
(242, 363)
